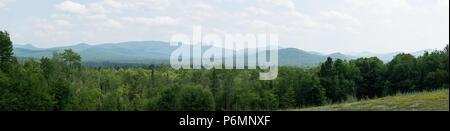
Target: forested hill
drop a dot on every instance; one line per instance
(149, 52)
(155, 52)
(61, 82)
(122, 52)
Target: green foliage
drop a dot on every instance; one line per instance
(403, 73)
(433, 69)
(59, 87)
(168, 100)
(288, 98)
(371, 83)
(339, 79)
(196, 98)
(6, 53)
(27, 90)
(70, 57)
(269, 101)
(62, 83)
(309, 92)
(5, 95)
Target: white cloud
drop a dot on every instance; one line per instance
(95, 11)
(72, 7)
(159, 20)
(282, 3)
(112, 23)
(16, 35)
(60, 16)
(339, 16)
(259, 11)
(341, 21)
(96, 17)
(203, 6)
(136, 4)
(113, 4)
(302, 19)
(379, 7)
(43, 24)
(286, 3)
(336, 14)
(378, 3)
(261, 24)
(48, 29)
(443, 4)
(4, 2)
(264, 25)
(103, 25)
(97, 8)
(152, 4)
(63, 23)
(132, 20)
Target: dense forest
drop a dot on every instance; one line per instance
(62, 83)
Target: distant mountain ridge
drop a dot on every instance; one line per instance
(121, 52)
(27, 46)
(157, 52)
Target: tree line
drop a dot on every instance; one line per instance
(62, 83)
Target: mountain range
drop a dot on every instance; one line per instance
(156, 52)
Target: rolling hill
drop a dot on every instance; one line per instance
(149, 52)
(420, 101)
(121, 52)
(156, 52)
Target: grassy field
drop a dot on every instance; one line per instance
(422, 101)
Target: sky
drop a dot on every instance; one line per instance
(326, 26)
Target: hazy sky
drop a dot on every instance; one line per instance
(315, 25)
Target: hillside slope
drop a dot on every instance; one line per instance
(145, 52)
(423, 101)
(157, 52)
